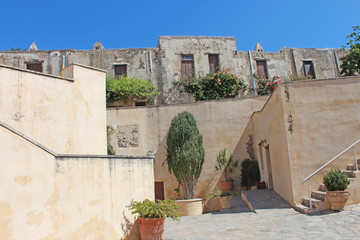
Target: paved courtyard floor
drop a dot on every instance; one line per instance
(274, 219)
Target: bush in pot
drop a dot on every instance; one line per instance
(225, 164)
(225, 199)
(336, 183)
(250, 173)
(152, 216)
(185, 154)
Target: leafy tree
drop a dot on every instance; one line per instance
(351, 63)
(126, 87)
(185, 152)
(250, 173)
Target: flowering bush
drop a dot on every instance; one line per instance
(267, 86)
(218, 85)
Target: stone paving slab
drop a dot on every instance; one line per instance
(281, 222)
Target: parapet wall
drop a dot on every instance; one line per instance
(44, 195)
(68, 114)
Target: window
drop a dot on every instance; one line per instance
(262, 69)
(35, 66)
(187, 66)
(140, 104)
(120, 70)
(309, 69)
(213, 62)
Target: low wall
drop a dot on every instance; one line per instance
(44, 195)
(58, 111)
(222, 124)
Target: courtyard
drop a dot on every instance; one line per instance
(274, 219)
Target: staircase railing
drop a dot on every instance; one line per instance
(326, 164)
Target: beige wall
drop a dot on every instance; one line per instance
(269, 126)
(325, 118)
(221, 124)
(306, 124)
(68, 114)
(43, 196)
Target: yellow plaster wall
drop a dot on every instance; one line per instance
(221, 124)
(47, 197)
(54, 110)
(269, 126)
(326, 120)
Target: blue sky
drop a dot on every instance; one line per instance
(135, 24)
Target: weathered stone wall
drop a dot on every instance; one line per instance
(48, 196)
(54, 110)
(163, 64)
(223, 124)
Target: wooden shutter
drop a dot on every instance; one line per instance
(262, 69)
(187, 66)
(213, 62)
(119, 70)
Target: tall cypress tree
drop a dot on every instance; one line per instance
(185, 152)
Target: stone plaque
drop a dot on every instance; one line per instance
(127, 136)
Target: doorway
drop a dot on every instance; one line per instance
(159, 191)
(268, 166)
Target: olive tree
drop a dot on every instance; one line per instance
(185, 152)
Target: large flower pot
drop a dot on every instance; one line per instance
(191, 207)
(226, 202)
(213, 205)
(151, 228)
(337, 199)
(226, 186)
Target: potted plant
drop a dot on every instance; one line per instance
(213, 203)
(250, 173)
(152, 216)
(225, 199)
(185, 158)
(336, 182)
(225, 163)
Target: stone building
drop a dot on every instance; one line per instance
(177, 57)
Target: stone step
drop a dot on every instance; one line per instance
(351, 167)
(350, 174)
(322, 188)
(318, 205)
(302, 208)
(314, 201)
(318, 195)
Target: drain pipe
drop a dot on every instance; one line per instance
(252, 74)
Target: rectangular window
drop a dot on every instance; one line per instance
(262, 69)
(187, 66)
(120, 70)
(35, 66)
(309, 69)
(213, 62)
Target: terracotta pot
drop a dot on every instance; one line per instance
(226, 202)
(226, 186)
(337, 199)
(191, 207)
(151, 228)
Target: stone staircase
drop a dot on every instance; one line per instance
(318, 200)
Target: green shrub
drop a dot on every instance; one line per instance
(225, 163)
(133, 88)
(351, 63)
(218, 85)
(185, 152)
(158, 209)
(336, 180)
(250, 173)
(266, 86)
